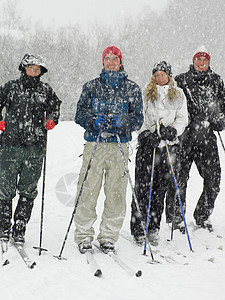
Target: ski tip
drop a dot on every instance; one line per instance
(219, 236)
(212, 259)
(98, 273)
(139, 273)
(6, 262)
(33, 265)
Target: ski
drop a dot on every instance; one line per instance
(4, 249)
(23, 254)
(121, 263)
(93, 264)
(167, 258)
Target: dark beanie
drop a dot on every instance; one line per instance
(162, 66)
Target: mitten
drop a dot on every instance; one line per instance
(218, 124)
(2, 125)
(50, 124)
(100, 123)
(168, 133)
(147, 138)
(154, 139)
(115, 121)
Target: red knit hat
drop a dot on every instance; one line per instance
(201, 52)
(114, 50)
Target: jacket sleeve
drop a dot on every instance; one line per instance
(52, 106)
(84, 116)
(222, 96)
(4, 90)
(217, 118)
(1, 102)
(220, 107)
(146, 122)
(181, 118)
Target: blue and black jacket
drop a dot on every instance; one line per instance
(111, 93)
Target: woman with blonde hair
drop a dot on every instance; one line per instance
(165, 118)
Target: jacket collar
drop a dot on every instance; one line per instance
(112, 78)
(29, 82)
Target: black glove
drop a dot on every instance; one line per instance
(168, 133)
(218, 123)
(146, 138)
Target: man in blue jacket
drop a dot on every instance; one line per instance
(113, 104)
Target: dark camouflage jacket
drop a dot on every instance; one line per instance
(24, 105)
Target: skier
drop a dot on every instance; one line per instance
(205, 93)
(111, 104)
(165, 118)
(31, 108)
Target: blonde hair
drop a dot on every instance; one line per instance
(151, 92)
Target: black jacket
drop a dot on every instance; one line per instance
(205, 95)
(25, 103)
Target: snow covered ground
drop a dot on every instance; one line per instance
(199, 275)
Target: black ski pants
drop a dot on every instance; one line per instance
(162, 182)
(199, 145)
(20, 171)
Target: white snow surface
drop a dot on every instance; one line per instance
(192, 275)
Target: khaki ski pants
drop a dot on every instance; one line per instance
(107, 167)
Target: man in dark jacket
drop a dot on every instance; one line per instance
(109, 104)
(30, 108)
(205, 93)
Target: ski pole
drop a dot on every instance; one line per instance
(78, 197)
(178, 194)
(149, 201)
(133, 191)
(221, 140)
(42, 202)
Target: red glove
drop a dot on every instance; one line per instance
(2, 125)
(50, 124)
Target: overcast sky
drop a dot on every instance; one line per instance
(60, 12)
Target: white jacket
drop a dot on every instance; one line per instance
(170, 113)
